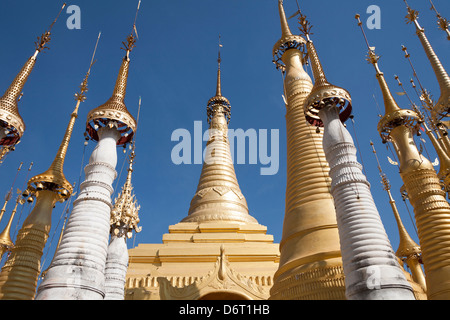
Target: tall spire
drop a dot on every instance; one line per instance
(408, 249)
(53, 179)
(432, 211)
(48, 187)
(218, 196)
(323, 92)
(12, 126)
(287, 40)
(394, 115)
(114, 110)
(361, 231)
(89, 225)
(442, 107)
(310, 257)
(6, 242)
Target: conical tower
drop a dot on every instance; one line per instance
(218, 251)
(124, 219)
(442, 108)
(432, 211)
(364, 243)
(6, 243)
(23, 266)
(310, 263)
(12, 126)
(218, 195)
(75, 276)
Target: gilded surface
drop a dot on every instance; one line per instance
(310, 261)
(115, 109)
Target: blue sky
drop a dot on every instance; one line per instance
(173, 70)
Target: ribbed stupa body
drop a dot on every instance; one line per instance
(371, 268)
(19, 275)
(431, 209)
(77, 269)
(78, 266)
(218, 196)
(432, 213)
(310, 262)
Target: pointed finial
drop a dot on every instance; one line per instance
(81, 95)
(53, 179)
(287, 41)
(219, 60)
(12, 126)
(394, 116)
(323, 93)
(218, 103)
(45, 38)
(114, 111)
(424, 94)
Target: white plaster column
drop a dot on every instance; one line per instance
(116, 268)
(371, 269)
(77, 269)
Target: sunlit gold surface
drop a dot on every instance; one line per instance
(6, 243)
(408, 250)
(218, 251)
(310, 261)
(115, 109)
(432, 211)
(218, 195)
(19, 275)
(53, 179)
(9, 110)
(323, 91)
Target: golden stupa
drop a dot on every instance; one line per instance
(218, 251)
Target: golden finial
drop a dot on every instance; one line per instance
(443, 23)
(218, 103)
(5, 237)
(8, 195)
(394, 116)
(12, 125)
(45, 38)
(287, 41)
(114, 111)
(53, 179)
(323, 93)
